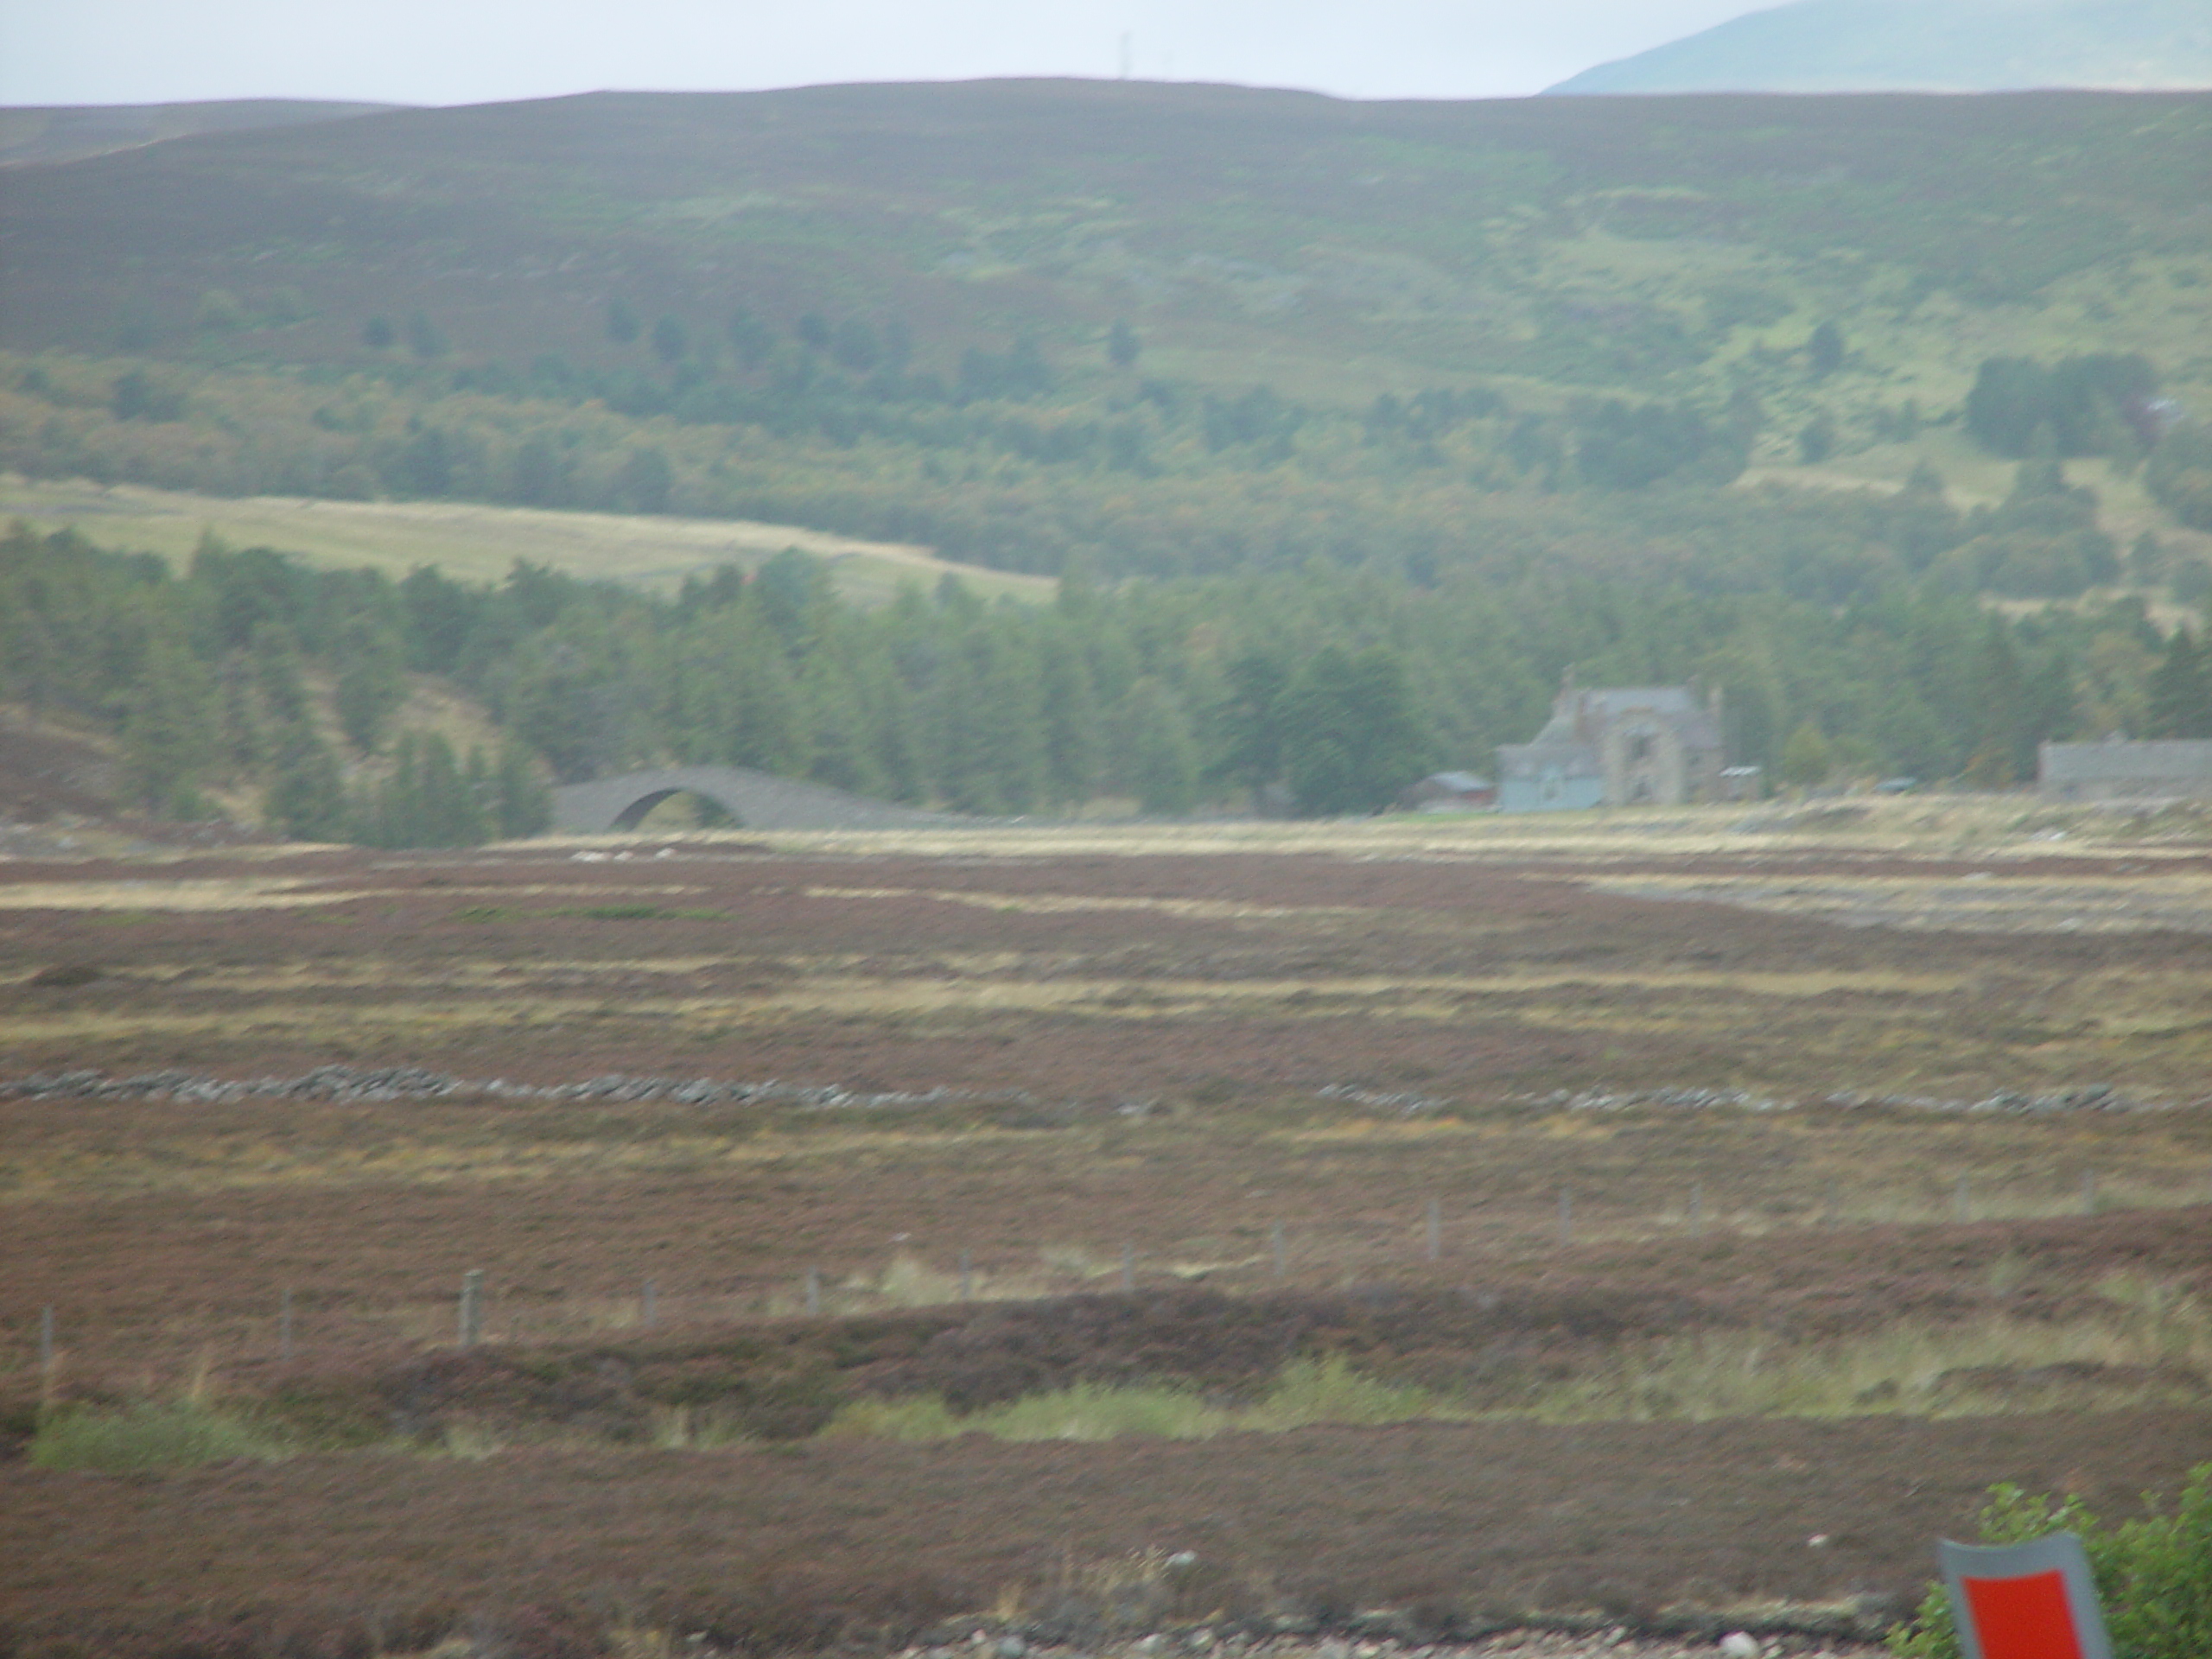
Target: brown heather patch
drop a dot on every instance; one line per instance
(1173, 1052)
(869, 1542)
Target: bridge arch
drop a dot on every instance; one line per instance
(757, 800)
(636, 813)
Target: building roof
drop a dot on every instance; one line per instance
(1579, 708)
(1573, 759)
(1660, 699)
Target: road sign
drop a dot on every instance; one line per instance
(2024, 1601)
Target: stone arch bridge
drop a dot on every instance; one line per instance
(756, 800)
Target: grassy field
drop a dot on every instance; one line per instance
(480, 543)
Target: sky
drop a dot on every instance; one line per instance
(478, 51)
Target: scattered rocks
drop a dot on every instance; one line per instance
(1408, 1104)
(353, 1082)
(1609, 1642)
(1611, 1100)
(2085, 1097)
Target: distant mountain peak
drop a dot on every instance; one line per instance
(1930, 46)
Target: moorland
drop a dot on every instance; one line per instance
(1450, 1223)
(1119, 1215)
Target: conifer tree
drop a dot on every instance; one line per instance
(167, 738)
(277, 674)
(449, 811)
(892, 741)
(1069, 711)
(840, 756)
(245, 743)
(306, 796)
(2181, 690)
(1805, 759)
(371, 684)
(1163, 761)
(2004, 751)
(1248, 722)
(521, 804)
(1351, 739)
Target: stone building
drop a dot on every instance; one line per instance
(2123, 769)
(1617, 746)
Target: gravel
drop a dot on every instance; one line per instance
(2085, 1097)
(356, 1083)
(1605, 1643)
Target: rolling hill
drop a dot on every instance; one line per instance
(1157, 329)
(1950, 46)
(1405, 408)
(1322, 245)
(30, 135)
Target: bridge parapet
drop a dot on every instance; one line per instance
(757, 800)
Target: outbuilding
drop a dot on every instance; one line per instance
(1450, 791)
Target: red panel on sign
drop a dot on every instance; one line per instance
(2023, 1619)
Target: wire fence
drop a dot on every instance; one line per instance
(1435, 1240)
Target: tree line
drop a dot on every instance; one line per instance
(205, 680)
(1318, 690)
(1018, 465)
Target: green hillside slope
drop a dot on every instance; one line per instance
(1331, 247)
(1157, 329)
(1393, 409)
(1934, 46)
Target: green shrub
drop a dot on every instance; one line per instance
(1308, 1392)
(2154, 1576)
(1329, 1390)
(1088, 1411)
(148, 1435)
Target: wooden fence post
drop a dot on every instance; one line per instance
(471, 1307)
(814, 1291)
